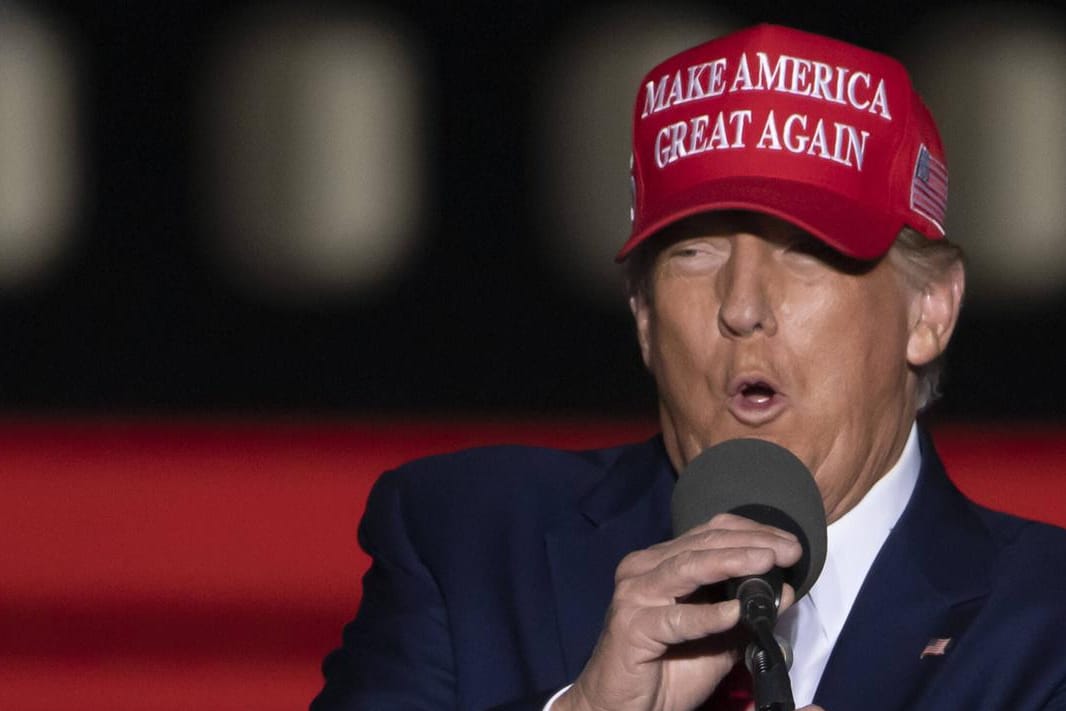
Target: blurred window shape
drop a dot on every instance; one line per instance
(315, 154)
(589, 84)
(39, 171)
(995, 77)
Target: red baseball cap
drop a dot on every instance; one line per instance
(826, 135)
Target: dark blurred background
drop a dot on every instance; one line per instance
(355, 207)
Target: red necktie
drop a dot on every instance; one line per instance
(734, 693)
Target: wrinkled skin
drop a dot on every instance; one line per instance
(751, 328)
(750, 297)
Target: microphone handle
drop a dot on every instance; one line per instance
(760, 596)
(769, 674)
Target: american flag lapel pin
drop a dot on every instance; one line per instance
(936, 647)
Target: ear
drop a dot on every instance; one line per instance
(638, 304)
(934, 313)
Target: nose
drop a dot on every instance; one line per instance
(744, 290)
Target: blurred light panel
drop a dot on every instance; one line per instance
(38, 156)
(995, 77)
(589, 85)
(316, 154)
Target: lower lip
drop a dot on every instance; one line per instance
(757, 411)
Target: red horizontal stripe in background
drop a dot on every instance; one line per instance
(211, 566)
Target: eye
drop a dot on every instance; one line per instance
(813, 248)
(704, 247)
(808, 251)
(697, 257)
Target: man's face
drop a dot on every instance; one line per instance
(752, 328)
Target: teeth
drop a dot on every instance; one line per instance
(759, 393)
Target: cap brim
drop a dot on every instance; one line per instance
(852, 229)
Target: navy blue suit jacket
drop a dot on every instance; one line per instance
(493, 569)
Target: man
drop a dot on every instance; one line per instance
(790, 281)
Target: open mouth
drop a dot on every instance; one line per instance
(756, 401)
(758, 393)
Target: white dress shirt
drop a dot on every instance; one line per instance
(813, 624)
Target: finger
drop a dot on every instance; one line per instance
(690, 570)
(740, 523)
(784, 545)
(678, 623)
(788, 597)
(728, 531)
(786, 549)
(726, 522)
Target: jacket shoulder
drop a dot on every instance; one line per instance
(1030, 556)
(497, 486)
(502, 468)
(1010, 530)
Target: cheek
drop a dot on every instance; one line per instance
(687, 363)
(682, 335)
(678, 357)
(849, 344)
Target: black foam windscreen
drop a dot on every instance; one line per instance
(761, 481)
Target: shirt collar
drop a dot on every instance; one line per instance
(857, 536)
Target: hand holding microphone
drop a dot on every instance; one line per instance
(766, 483)
(672, 631)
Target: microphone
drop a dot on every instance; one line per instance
(768, 484)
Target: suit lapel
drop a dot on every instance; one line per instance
(628, 510)
(927, 583)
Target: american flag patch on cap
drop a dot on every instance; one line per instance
(936, 647)
(929, 188)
